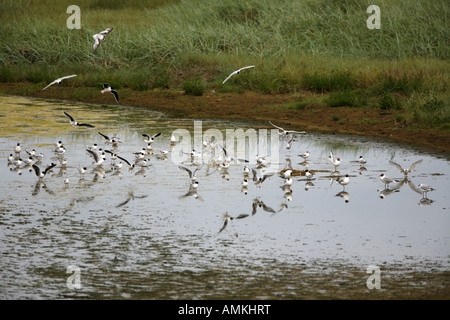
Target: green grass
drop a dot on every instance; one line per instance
(194, 87)
(319, 46)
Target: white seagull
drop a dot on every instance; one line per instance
(335, 161)
(112, 140)
(424, 188)
(99, 37)
(386, 180)
(308, 174)
(286, 175)
(190, 172)
(108, 88)
(286, 132)
(75, 123)
(405, 171)
(361, 161)
(259, 180)
(58, 81)
(305, 155)
(343, 181)
(151, 139)
(99, 159)
(18, 149)
(236, 72)
(41, 174)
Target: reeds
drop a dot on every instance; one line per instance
(297, 45)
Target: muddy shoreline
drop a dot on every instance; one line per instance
(257, 107)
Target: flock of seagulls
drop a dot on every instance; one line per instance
(218, 153)
(219, 159)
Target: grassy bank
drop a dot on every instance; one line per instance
(319, 51)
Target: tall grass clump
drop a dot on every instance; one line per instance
(322, 82)
(194, 87)
(429, 110)
(343, 98)
(390, 101)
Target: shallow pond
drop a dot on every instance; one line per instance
(142, 233)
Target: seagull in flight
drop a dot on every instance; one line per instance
(112, 140)
(75, 123)
(190, 172)
(259, 180)
(151, 139)
(286, 132)
(405, 171)
(108, 88)
(227, 218)
(236, 72)
(58, 81)
(99, 159)
(41, 174)
(99, 37)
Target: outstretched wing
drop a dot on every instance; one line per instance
(156, 135)
(126, 161)
(97, 42)
(50, 167)
(267, 176)
(106, 31)
(413, 166)
(67, 77)
(276, 126)
(232, 74)
(68, 116)
(399, 167)
(86, 125)
(104, 136)
(187, 170)
(255, 175)
(246, 67)
(116, 95)
(50, 85)
(94, 154)
(37, 170)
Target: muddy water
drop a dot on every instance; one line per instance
(141, 233)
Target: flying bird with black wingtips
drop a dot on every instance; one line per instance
(259, 180)
(108, 88)
(75, 123)
(41, 174)
(228, 218)
(151, 139)
(109, 140)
